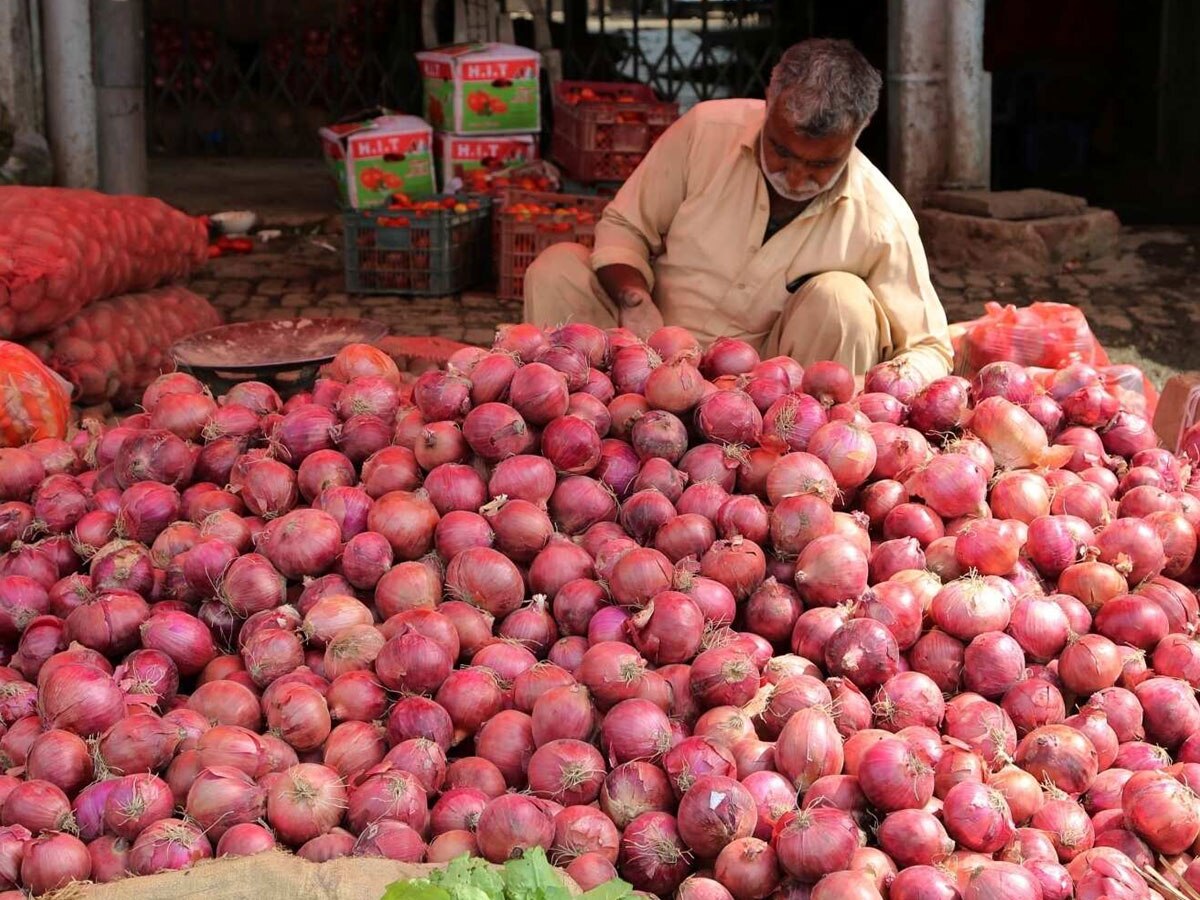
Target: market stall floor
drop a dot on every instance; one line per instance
(282, 192)
(1143, 302)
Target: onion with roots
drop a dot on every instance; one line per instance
(714, 812)
(813, 843)
(654, 857)
(705, 622)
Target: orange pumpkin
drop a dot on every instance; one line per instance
(34, 402)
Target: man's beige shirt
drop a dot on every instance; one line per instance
(692, 219)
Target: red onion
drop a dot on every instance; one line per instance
(1059, 754)
(659, 435)
(305, 802)
(222, 797)
(1091, 406)
(166, 845)
(871, 408)
(539, 393)
(728, 356)
(304, 542)
(729, 417)
(654, 857)
(407, 520)
(814, 842)
(80, 699)
(496, 431)
(790, 422)
(510, 825)
(579, 502)
(245, 839)
(977, 817)
(1004, 379)
(52, 861)
(136, 802)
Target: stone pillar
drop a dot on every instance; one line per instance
(20, 81)
(968, 98)
(916, 96)
(70, 91)
(120, 96)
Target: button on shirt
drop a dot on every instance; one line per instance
(692, 218)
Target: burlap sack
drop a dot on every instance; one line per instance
(267, 876)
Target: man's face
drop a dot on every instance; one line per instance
(803, 165)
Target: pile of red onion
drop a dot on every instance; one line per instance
(715, 624)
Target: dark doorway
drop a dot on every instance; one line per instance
(1092, 97)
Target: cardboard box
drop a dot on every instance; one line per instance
(483, 88)
(378, 157)
(459, 154)
(1178, 408)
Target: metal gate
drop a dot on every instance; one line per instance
(687, 50)
(259, 77)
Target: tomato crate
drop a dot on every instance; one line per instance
(427, 249)
(602, 129)
(527, 222)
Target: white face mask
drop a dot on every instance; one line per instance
(779, 182)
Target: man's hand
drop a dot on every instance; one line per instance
(630, 292)
(637, 312)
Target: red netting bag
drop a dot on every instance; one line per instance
(1049, 335)
(34, 402)
(114, 348)
(62, 249)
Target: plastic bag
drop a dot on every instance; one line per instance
(1050, 335)
(34, 402)
(113, 349)
(1132, 388)
(62, 249)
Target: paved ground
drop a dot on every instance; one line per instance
(1143, 303)
(284, 192)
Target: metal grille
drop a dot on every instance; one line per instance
(687, 50)
(257, 77)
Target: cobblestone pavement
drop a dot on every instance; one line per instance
(1143, 302)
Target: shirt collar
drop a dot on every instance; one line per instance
(840, 189)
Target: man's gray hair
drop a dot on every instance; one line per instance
(827, 87)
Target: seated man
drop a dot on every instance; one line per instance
(761, 221)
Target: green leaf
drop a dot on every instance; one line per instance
(533, 878)
(470, 878)
(610, 890)
(415, 889)
(465, 877)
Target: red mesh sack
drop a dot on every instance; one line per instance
(114, 348)
(34, 402)
(62, 249)
(1049, 335)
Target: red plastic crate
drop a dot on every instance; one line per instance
(603, 129)
(425, 252)
(545, 219)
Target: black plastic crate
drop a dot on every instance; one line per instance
(419, 251)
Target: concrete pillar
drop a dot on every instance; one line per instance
(70, 91)
(120, 95)
(968, 98)
(916, 95)
(20, 81)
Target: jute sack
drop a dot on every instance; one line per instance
(267, 876)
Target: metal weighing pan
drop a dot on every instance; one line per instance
(285, 354)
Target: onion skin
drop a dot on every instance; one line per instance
(813, 843)
(703, 621)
